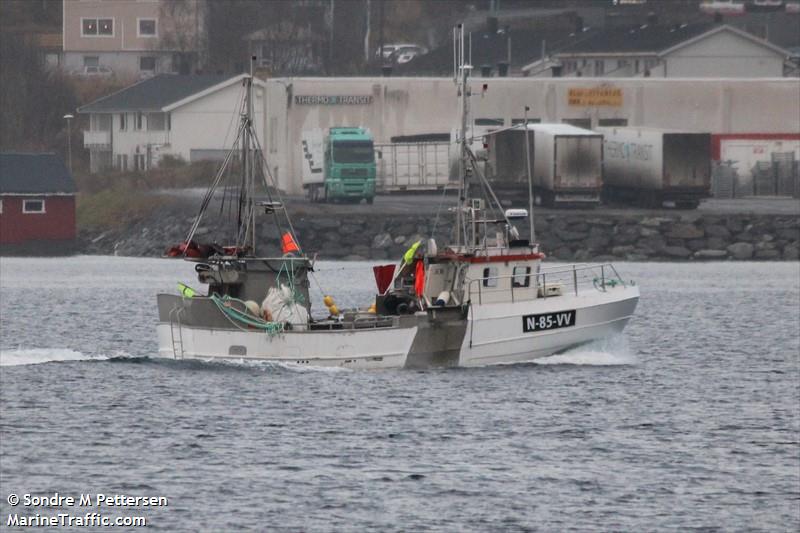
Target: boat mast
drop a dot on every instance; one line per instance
(532, 235)
(462, 73)
(247, 212)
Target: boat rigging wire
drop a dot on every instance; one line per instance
(210, 192)
(438, 212)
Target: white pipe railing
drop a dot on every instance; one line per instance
(600, 276)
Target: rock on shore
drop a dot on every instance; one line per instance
(678, 236)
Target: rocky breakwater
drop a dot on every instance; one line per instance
(563, 235)
(687, 237)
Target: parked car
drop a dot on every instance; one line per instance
(405, 54)
(392, 51)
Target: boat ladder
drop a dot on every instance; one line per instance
(177, 340)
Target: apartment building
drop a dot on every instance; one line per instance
(133, 38)
(702, 50)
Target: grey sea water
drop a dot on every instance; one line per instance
(689, 421)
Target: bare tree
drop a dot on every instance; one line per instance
(33, 100)
(184, 31)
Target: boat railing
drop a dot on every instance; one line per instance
(549, 282)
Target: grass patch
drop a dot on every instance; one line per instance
(171, 174)
(115, 208)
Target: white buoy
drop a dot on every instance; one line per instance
(443, 298)
(253, 308)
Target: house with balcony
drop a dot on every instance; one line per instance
(702, 50)
(133, 38)
(190, 117)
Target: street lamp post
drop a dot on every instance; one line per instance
(68, 117)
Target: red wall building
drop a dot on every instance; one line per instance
(37, 205)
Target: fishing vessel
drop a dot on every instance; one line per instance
(485, 298)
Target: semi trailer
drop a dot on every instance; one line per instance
(649, 166)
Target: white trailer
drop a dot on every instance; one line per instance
(414, 166)
(651, 166)
(567, 164)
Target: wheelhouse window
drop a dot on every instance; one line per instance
(33, 206)
(490, 277)
(521, 277)
(97, 27)
(147, 28)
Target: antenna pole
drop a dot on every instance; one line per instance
(463, 72)
(250, 164)
(530, 181)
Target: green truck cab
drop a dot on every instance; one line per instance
(348, 170)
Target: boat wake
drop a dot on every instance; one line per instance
(610, 352)
(37, 356)
(273, 366)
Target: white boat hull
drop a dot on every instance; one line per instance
(495, 333)
(361, 349)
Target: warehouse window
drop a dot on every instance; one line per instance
(33, 206)
(607, 122)
(578, 122)
(517, 121)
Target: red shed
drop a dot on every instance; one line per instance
(37, 205)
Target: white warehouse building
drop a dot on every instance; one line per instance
(393, 107)
(194, 117)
